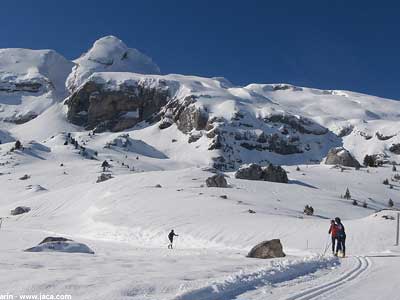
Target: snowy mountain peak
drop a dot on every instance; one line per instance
(110, 54)
(30, 81)
(21, 65)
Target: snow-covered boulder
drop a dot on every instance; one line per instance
(19, 210)
(117, 101)
(341, 156)
(109, 54)
(126, 143)
(267, 249)
(217, 180)
(256, 172)
(60, 244)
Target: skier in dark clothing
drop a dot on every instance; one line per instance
(171, 238)
(333, 232)
(341, 238)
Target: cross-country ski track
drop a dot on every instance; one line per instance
(258, 285)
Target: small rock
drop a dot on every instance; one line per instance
(250, 211)
(103, 177)
(158, 186)
(20, 210)
(224, 196)
(25, 177)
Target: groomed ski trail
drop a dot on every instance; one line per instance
(240, 285)
(362, 265)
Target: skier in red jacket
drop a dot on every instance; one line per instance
(333, 231)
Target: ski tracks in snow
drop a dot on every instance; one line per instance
(238, 287)
(362, 265)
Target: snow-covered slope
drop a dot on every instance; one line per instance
(368, 124)
(161, 134)
(125, 221)
(235, 125)
(109, 54)
(30, 82)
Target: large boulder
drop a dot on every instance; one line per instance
(275, 174)
(217, 180)
(250, 172)
(19, 210)
(110, 102)
(256, 172)
(341, 156)
(267, 249)
(60, 244)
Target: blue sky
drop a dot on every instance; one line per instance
(350, 45)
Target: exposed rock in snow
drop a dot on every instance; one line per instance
(250, 172)
(256, 172)
(60, 244)
(217, 180)
(267, 249)
(25, 177)
(54, 239)
(104, 177)
(20, 210)
(382, 137)
(107, 103)
(109, 54)
(395, 148)
(36, 188)
(341, 156)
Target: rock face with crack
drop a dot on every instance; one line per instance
(341, 156)
(115, 106)
(267, 249)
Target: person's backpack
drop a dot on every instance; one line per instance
(340, 231)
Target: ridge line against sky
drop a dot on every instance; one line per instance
(340, 45)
